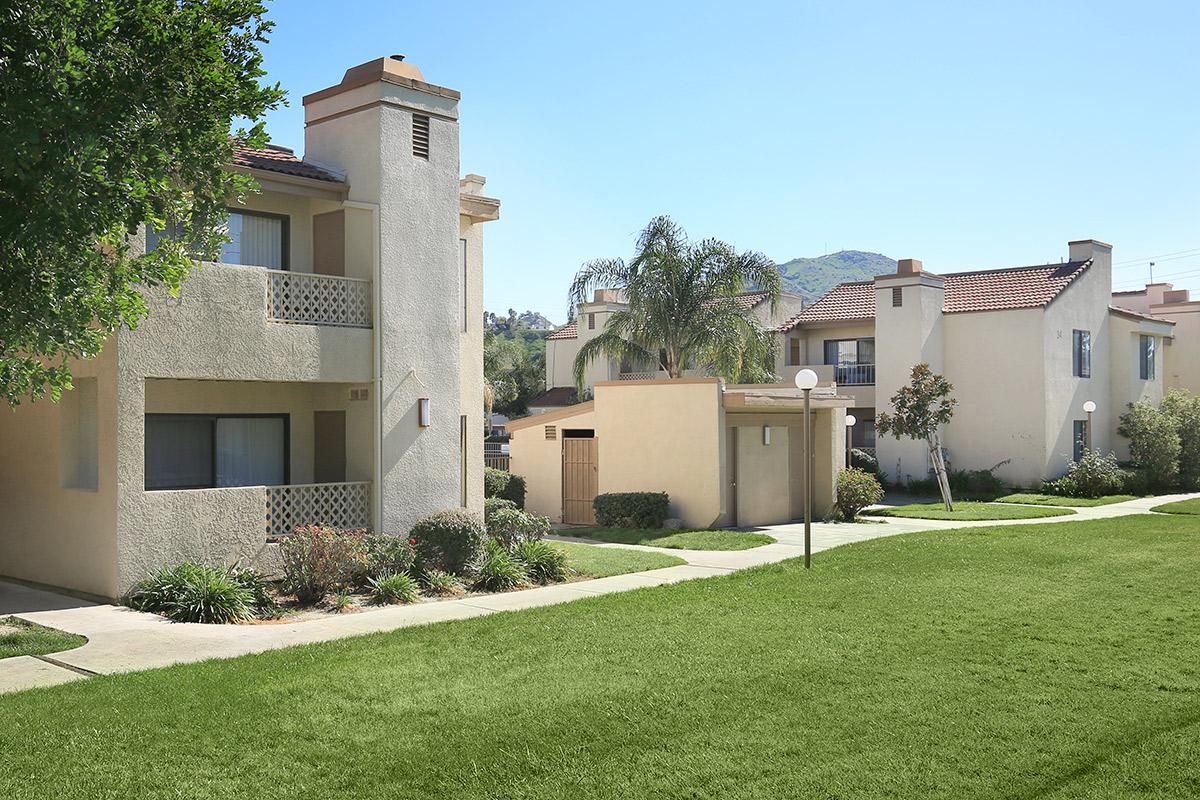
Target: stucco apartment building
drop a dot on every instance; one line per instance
(1181, 356)
(1025, 348)
(327, 369)
(590, 319)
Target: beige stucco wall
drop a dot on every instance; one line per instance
(1182, 358)
(54, 534)
(1127, 384)
(470, 363)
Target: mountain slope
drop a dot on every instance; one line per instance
(813, 277)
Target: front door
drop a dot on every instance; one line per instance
(329, 447)
(581, 478)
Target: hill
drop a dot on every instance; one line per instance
(813, 277)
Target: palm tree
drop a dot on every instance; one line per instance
(683, 310)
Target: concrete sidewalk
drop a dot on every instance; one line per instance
(123, 640)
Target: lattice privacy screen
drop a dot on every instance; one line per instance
(319, 299)
(338, 505)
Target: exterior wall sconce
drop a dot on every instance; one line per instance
(766, 434)
(423, 412)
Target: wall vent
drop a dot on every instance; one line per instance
(897, 297)
(421, 136)
(551, 432)
(359, 394)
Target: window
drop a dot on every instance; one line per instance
(591, 321)
(421, 136)
(1081, 354)
(257, 239)
(862, 434)
(897, 297)
(794, 352)
(204, 451)
(462, 257)
(1078, 438)
(854, 360)
(1146, 357)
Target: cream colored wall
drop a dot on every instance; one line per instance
(764, 493)
(300, 211)
(1182, 358)
(53, 534)
(1127, 385)
(470, 363)
(829, 454)
(560, 353)
(539, 462)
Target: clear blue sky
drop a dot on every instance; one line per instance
(968, 135)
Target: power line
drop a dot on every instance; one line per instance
(1128, 265)
(1160, 257)
(1126, 284)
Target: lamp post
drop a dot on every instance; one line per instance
(806, 381)
(850, 420)
(1089, 407)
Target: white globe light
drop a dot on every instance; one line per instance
(850, 420)
(806, 379)
(1089, 406)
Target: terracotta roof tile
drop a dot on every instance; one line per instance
(568, 331)
(280, 159)
(558, 396)
(1128, 312)
(984, 290)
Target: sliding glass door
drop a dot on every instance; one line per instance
(204, 451)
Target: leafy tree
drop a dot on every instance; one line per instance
(514, 372)
(113, 113)
(1154, 444)
(682, 307)
(1183, 408)
(919, 410)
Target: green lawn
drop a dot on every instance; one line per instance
(601, 562)
(675, 540)
(1054, 500)
(21, 638)
(1050, 661)
(967, 510)
(1180, 507)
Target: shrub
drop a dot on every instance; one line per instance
(1154, 445)
(864, 460)
(497, 570)
(397, 587)
(191, 592)
(856, 489)
(543, 562)
(317, 559)
(441, 584)
(388, 555)
(922, 487)
(493, 504)
(977, 484)
(505, 485)
(510, 527)
(259, 588)
(631, 509)
(342, 602)
(1094, 475)
(448, 540)
(1183, 408)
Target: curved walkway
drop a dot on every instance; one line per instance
(123, 640)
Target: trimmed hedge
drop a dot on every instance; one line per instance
(505, 485)
(448, 540)
(631, 509)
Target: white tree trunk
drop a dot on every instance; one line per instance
(939, 469)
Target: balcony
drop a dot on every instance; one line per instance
(854, 374)
(308, 298)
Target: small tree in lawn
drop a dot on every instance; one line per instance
(918, 412)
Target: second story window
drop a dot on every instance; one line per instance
(853, 359)
(1081, 354)
(794, 352)
(591, 321)
(258, 239)
(1146, 358)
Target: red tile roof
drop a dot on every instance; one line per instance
(568, 331)
(1128, 312)
(558, 396)
(983, 290)
(274, 158)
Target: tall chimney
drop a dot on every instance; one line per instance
(908, 266)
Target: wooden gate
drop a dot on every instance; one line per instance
(580, 480)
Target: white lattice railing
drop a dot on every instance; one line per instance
(314, 299)
(637, 376)
(338, 505)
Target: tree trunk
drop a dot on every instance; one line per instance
(939, 469)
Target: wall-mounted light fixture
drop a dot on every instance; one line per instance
(423, 412)
(766, 434)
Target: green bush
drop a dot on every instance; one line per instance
(856, 489)
(259, 588)
(318, 559)
(922, 487)
(510, 527)
(493, 504)
(543, 562)
(191, 592)
(977, 484)
(497, 570)
(505, 485)
(448, 540)
(388, 555)
(441, 584)
(1183, 408)
(631, 509)
(1154, 444)
(864, 460)
(1094, 475)
(388, 590)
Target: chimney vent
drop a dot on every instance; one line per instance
(396, 57)
(908, 266)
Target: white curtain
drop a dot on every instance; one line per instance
(250, 451)
(257, 241)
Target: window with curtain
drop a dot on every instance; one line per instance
(256, 240)
(1146, 357)
(1081, 354)
(1079, 437)
(202, 451)
(849, 351)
